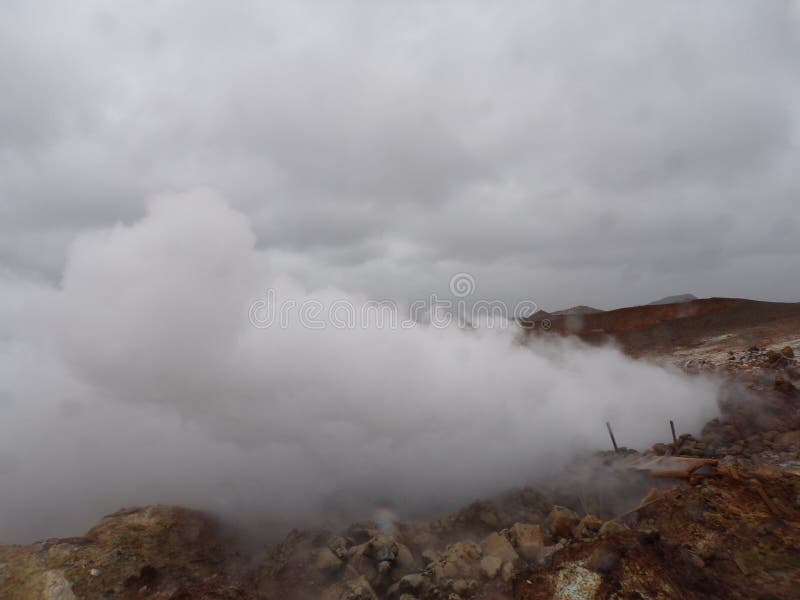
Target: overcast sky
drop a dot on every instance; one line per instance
(603, 153)
(163, 164)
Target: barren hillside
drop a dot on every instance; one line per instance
(664, 328)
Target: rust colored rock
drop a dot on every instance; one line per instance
(605, 559)
(611, 527)
(497, 545)
(785, 387)
(588, 527)
(528, 540)
(561, 521)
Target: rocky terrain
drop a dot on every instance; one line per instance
(712, 516)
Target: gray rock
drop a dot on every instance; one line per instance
(464, 587)
(362, 562)
(490, 566)
(383, 547)
(411, 583)
(327, 562)
(339, 545)
(458, 561)
(528, 541)
(353, 589)
(404, 561)
(56, 586)
(497, 545)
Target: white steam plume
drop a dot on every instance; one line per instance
(141, 380)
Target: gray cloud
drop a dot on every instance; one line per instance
(569, 139)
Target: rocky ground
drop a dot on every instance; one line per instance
(730, 529)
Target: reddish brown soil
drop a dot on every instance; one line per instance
(718, 539)
(662, 328)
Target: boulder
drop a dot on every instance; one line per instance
(464, 587)
(775, 358)
(362, 562)
(611, 527)
(353, 589)
(327, 562)
(561, 521)
(787, 440)
(507, 571)
(528, 541)
(404, 563)
(490, 566)
(588, 527)
(383, 548)
(497, 545)
(339, 546)
(381, 559)
(459, 560)
(430, 556)
(411, 583)
(55, 586)
(662, 449)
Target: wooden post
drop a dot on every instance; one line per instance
(674, 439)
(611, 433)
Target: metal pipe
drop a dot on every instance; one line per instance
(611, 433)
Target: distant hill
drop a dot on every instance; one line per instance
(669, 325)
(674, 299)
(539, 315)
(578, 310)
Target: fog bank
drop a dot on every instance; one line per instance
(140, 379)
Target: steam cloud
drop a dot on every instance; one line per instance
(139, 379)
